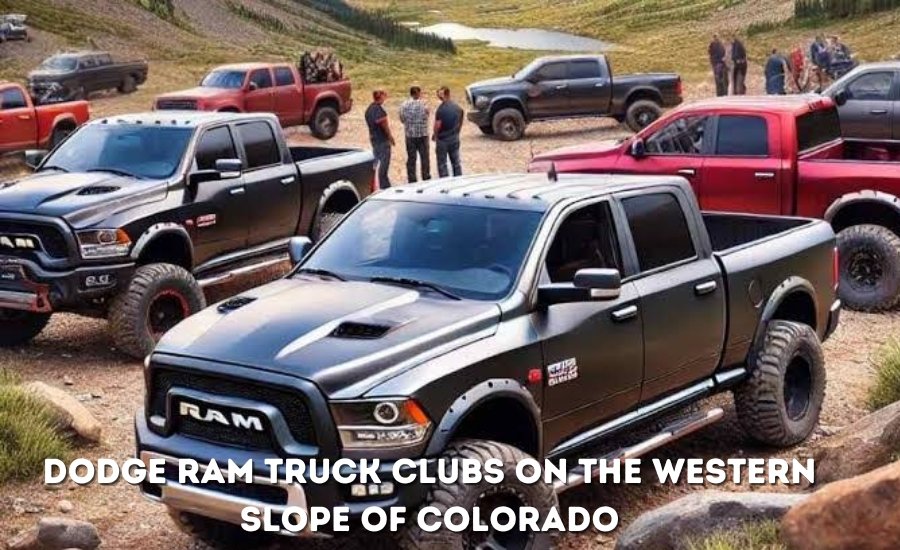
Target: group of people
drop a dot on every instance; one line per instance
(719, 55)
(415, 115)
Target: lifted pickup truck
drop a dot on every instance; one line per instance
(500, 316)
(76, 75)
(265, 87)
(133, 215)
(775, 155)
(569, 87)
(25, 125)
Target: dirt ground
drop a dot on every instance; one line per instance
(78, 354)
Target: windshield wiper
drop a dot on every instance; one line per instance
(116, 171)
(323, 272)
(417, 283)
(53, 167)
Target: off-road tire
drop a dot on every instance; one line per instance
(217, 534)
(487, 130)
(444, 495)
(58, 135)
(129, 314)
(641, 114)
(128, 85)
(325, 122)
(780, 402)
(20, 327)
(881, 247)
(508, 124)
(324, 223)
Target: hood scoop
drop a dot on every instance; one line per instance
(98, 190)
(360, 331)
(234, 303)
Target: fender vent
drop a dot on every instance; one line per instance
(234, 303)
(361, 331)
(98, 190)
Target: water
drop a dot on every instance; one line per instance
(522, 39)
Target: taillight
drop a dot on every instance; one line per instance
(679, 87)
(375, 184)
(835, 268)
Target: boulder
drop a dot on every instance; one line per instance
(71, 413)
(869, 443)
(859, 513)
(701, 514)
(62, 533)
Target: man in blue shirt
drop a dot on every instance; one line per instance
(775, 73)
(380, 136)
(447, 124)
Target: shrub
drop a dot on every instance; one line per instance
(28, 432)
(751, 536)
(886, 389)
(834, 9)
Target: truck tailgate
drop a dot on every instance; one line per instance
(758, 254)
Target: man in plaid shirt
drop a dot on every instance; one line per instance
(414, 116)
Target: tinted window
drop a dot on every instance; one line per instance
(660, 232)
(87, 62)
(586, 239)
(871, 87)
(262, 78)
(283, 76)
(259, 144)
(681, 137)
(584, 69)
(12, 99)
(741, 135)
(551, 71)
(224, 79)
(817, 127)
(214, 145)
(104, 60)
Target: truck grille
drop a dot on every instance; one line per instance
(290, 403)
(52, 239)
(176, 105)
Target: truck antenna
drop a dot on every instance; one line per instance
(551, 174)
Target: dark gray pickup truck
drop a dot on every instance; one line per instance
(493, 316)
(569, 87)
(70, 76)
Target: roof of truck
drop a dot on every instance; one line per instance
(249, 66)
(534, 191)
(791, 104)
(189, 119)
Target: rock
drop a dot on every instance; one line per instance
(859, 513)
(67, 380)
(72, 413)
(700, 514)
(62, 533)
(867, 444)
(65, 506)
(24, 541)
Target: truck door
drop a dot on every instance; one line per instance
(589, 87)
(743, 172)
(548, 94)
(593, 351)
(869, 107)
(259, 97)
(675, 149)
(288, 97)
(682, 295)
(18, 126)
(273, 186)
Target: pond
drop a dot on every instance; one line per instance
(522, 39)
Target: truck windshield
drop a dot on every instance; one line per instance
(59, 63)
(469, 252)
(224, 79)
(124, 149)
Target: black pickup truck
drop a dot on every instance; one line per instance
(71, 76)
(131, 216)
(570, 86)
(493, 316)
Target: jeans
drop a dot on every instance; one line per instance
(740, 77)
(448, 150)
(720, 74)
(417, 146)
(382, 152)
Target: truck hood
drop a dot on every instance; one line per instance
(492, 84)
(200, 92)
(46, 74)
(594, 151)
(346, 337)
(78, 198)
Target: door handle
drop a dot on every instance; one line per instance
(599, 84)
(687, 172)
(562, 86)
(625, 313)
(237, 190)
(24, 117)
(288, 180)
(764, 175)
(878, 111)
(706, 288)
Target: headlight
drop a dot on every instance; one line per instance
(482, 101)
(381, 423)
(103, 243)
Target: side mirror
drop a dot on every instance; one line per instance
(253, 86)
(638, 148)
(229, 168)
(34, 157)
(841, 97)
(588, 285)
(298, 247)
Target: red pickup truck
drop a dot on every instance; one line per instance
(774, 155)
(24, 125)
(266, 87)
